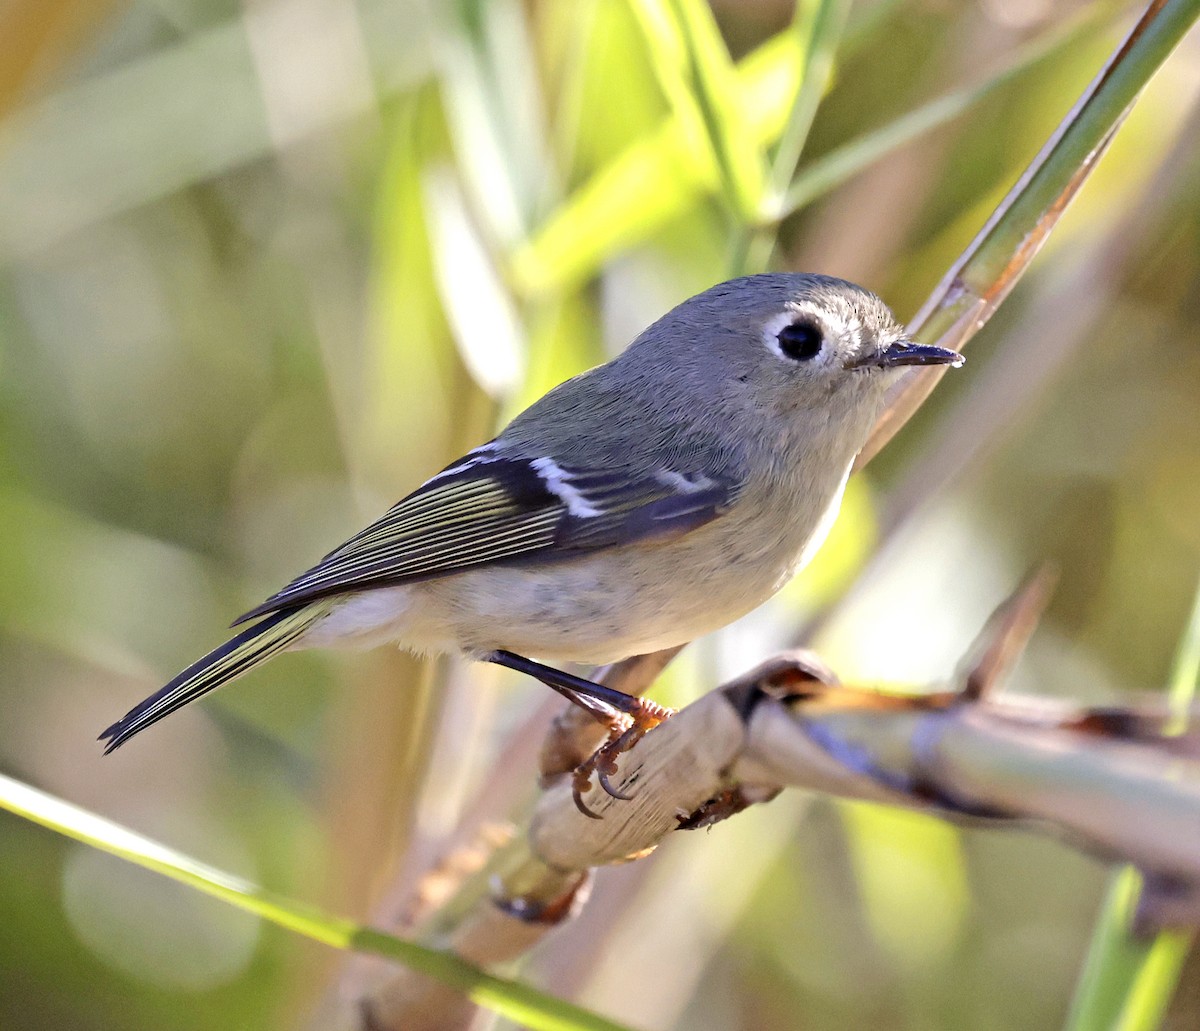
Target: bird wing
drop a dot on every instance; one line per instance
(490, 507)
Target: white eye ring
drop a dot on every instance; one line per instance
(776, 324)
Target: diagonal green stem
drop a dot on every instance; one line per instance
(509, 998)
(1004, 248)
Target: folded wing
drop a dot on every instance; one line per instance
(491, 507)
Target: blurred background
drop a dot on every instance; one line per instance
(264, 266)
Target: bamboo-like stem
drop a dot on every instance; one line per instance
(1134, 797)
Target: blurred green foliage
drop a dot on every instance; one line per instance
(264, 267)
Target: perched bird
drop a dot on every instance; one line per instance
(637, 506)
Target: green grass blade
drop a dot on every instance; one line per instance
(1127, 983)
(509, 998)
(1185, 672)
(816, 31)
(699, 79)
(853, 157)
(712, 78)
(652, 181)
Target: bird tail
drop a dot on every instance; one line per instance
(237, 655)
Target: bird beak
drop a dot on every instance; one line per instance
(905, 352)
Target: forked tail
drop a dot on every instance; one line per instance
(237, 655)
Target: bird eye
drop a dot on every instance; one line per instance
(801, 341)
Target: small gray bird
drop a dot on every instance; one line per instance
(637, 506)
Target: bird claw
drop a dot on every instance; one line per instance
(581, 783)
(602, 776)
(623, 736)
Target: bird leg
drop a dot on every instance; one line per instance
(627, 717)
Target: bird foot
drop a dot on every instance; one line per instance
(627, 717)
(625, 730)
